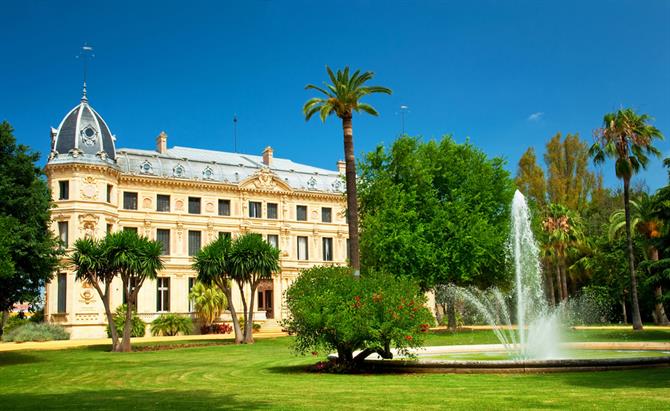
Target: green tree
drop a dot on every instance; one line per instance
(209, 302)
(135, 259)
(342, 98)
(530, 179)
(91, 264)
(437, 212)
(645, 221)
(251, 260)
(29, 252)
(628, 138)
(212, 263)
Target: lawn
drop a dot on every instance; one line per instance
(268, 375)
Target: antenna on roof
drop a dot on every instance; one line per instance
(403, 110)
(85, 55)
(235, 131)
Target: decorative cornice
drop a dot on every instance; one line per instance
(107, 169)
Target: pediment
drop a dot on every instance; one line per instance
(264, 179)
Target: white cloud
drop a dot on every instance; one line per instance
(536, 116)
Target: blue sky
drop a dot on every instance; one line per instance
(506, 74)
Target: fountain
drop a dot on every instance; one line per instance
(532, 344)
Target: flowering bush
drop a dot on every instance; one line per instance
(222, 328)
(330, 310)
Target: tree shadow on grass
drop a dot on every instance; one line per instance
(15, 358)
(125, 399)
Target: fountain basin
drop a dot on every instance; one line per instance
(624, 355)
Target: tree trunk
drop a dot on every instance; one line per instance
(451, 313)
(635, 306)
(564, 279)
(231, 308)
(559, 282)
(108, 312)
(3, 320)
(659, 310)
(549, 280)
(244, 310)
(249, 325)
(623, 308)
(352, 199)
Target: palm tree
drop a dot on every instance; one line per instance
(212, 263)
(209, 302)
(135, 259)
(252, 259)
(628, 138)
(563, 230)
(91, 266)
(342, 98)
(644, 220)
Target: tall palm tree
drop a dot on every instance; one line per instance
(628, 138)
(252, 259)
(136, 259)
(90, 263)
(212, 263)
(342, 98)
(644, 220)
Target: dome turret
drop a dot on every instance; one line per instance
(83, 133)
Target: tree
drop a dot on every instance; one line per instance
(29, 252)
(437, 212)
(251, 260)
(644, 219)
(569, 182)
(209, 302)
(212, 263)
(91, 264)
(530, 179)
(563, 230)
(342, 98)
(135, 259)
(628, 138)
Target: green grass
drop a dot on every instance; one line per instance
(268, 375)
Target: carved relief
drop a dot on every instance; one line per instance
(264, 179)
(147, 228)
(209, 207)
(180, 230)
(210, 230)
(88, 189)
(179, 205)
(88, 224)
(87, 293)
(146, 203)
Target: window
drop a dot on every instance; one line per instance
(163, 235)
(63, 233)
(63, 190)
(273, 240)
(62, 293)
(109, 228)
(194, 205)
(162, 202)
(129, 200)
(163, 294)
(272, 211)
(109, 193)
(303, 253)
(224, 207)
(265, 300)
(224, 234)
(327, 249)
(133, 285)
(301, 213)
(191, 303)
(255, 209)
(133, 229)
(326, 214)
(193, 242)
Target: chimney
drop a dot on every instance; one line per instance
(161, 143)
(267, 156)
(341, 167)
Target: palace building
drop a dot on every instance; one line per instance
(185, 198)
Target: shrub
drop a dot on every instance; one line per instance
(331, 310)
(138, 327)
(222, 328)
(209, 302)
(13, 322)
(171, 324)
(255, 327)
(36, 332)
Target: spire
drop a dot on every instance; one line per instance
(84, 99)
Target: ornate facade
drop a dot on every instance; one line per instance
(185, 198)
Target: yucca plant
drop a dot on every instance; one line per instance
(209, 302)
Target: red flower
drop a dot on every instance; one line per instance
(409, 337)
